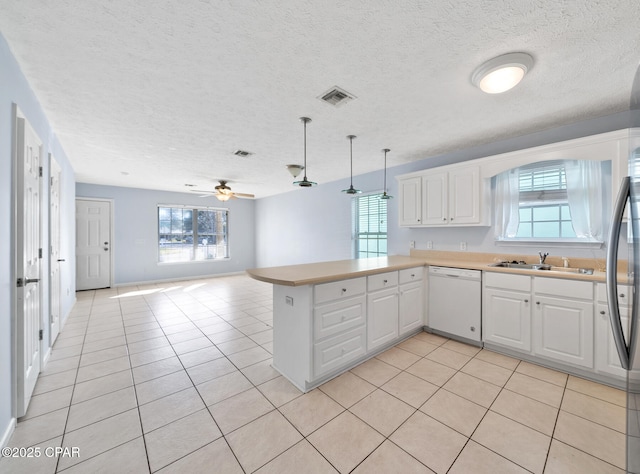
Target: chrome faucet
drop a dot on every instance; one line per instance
(543, 257)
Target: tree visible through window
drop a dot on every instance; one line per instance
(179, 240)
(370, 226)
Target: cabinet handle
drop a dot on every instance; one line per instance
(473, 328)
(413, 275)
(526, 301)
(384, 281)
(537, 302)
(452, 218)
(344, 290)
(621, 295)
(602, 312)
(444, 218)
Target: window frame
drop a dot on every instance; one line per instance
(557, 196)
(195, 238)
(355, 216)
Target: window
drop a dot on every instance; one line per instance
(189, 233)
(543, 203)
(370, 226)
(551, 201)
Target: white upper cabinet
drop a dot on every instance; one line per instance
(443, 198)
(410, 201)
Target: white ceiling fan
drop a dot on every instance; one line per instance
(223, 192)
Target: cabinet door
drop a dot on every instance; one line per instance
(411, 307)
(506, 318)
(607, 359)
(563, 330)
(434, 199)
(464, 196)
(382, 317)
(410, 200)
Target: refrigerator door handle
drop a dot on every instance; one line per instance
(612, 273)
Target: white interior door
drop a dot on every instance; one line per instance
(28, 157)
(93, 244)
(56, 259)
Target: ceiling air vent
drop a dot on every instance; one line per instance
(242, 153)
(336, 96)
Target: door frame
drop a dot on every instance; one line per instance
(111, 233)
(16, 233)
(54, 167)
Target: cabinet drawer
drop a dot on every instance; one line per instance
(410, 274)
(565, 288)
(335, 290)
(624, 294)
(336, 317)
(338, 351)
(508, 281)
(382, 280)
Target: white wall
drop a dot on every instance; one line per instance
(14, 88)
(314, 224)
(135, 246)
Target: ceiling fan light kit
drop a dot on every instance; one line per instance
(295, 170)
(351, 189)
(502, 73)
(305, 183)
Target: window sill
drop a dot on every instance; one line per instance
(560, 243)
(188, 262)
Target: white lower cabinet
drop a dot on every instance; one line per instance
(321, 330)
(506, 318)
(563, 320)
(382, 317)
(506, 310)
(338, 351)
(607, 360)
(563, 330)
(411, 307)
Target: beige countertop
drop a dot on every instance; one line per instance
(312, 273)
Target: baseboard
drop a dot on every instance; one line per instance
(6, 436)
(169, 280)
(45, 359)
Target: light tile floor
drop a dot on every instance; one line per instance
(176, 378)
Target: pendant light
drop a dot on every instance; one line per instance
(351, 189)
(305, 183)
(384, 189)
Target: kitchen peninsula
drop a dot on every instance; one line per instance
(330, 316)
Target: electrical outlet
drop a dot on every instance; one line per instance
(289, 300)
(412, 244)
(429, 244)
(463, 246)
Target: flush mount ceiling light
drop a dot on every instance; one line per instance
(305, 183)
(502, 73)
(351, 189)
(295, 170)
(384, 189)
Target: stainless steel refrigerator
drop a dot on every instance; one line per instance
(626, 331)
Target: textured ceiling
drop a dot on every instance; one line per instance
(156, 94)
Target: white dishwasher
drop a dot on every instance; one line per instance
(454, 302)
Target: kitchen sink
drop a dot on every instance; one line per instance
(542, 266)
(522, 265)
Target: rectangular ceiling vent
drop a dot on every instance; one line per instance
(242, 153)
(336, 96)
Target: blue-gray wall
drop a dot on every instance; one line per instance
(14, 89)
(135, 228)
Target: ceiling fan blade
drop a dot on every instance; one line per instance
(243, 195)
